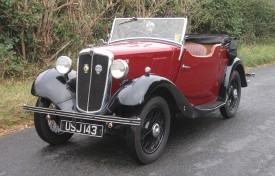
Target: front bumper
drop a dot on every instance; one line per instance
(85, 116)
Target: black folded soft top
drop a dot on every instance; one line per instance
(230, 43)
(206, 38)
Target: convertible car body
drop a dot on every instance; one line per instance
(134, 84)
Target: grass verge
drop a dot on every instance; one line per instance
(257, 54)
(13, 94)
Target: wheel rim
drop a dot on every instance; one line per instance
(234, 92)
(152, 131)
(52, 122)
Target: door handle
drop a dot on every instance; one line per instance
(185, 67)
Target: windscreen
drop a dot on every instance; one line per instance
(170, 29)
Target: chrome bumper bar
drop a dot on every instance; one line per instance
(84, 116)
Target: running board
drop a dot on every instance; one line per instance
(213, 105)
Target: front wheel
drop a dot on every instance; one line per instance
(147, 142)
(229, 110)
(47, 126)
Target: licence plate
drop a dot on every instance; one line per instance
(82, 128)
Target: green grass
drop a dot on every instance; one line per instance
(257, 54)
(13, 94)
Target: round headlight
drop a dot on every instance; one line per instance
(63, 64)
(119, 69)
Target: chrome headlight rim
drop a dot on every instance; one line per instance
(119, 69)
(63, 64)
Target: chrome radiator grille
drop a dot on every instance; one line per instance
(92, 81)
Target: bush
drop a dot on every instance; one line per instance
(38, 31)
(220, 17)
(258, 19)
(11, 64)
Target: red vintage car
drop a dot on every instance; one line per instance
(134, 84)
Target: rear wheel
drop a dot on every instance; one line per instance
(229, 110)
(147, 142)
(47, 126)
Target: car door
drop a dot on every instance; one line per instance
(199, 76)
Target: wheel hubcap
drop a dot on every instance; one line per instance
(51, 120)
(48, 117)
(156, 130)
(235, 93)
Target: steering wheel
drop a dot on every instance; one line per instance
(136, 33)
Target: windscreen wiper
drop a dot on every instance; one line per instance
(128, 21)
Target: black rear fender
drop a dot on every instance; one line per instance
(53, 86)
(235, 65)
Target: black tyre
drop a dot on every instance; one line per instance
(47, 126)
(147, 142)
(229, 110)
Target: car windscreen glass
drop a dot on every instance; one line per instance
(171, 29)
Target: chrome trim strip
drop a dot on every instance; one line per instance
(85, 116)
(184, 30)
(146, 38)
(107, 90)
(183, 39)
(91, 77)
(111, 34)
(181, 52)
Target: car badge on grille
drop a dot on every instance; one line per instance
(98, 69)
(86, 68)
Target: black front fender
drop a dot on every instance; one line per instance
(133, 94)
(53, 86)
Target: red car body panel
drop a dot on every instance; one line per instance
(160, 57)
(200, 84)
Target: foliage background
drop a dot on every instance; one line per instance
(34, 32)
